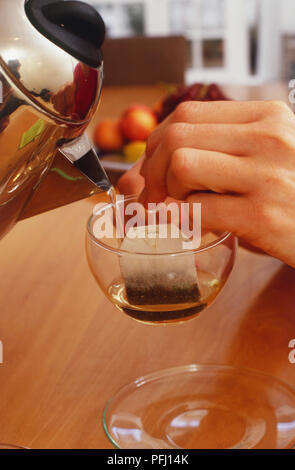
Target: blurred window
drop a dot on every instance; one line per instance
(122, 19)
(213, 53)
(242, 41)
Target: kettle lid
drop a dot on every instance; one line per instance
(74, 26)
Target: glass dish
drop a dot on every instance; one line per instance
(202, 407)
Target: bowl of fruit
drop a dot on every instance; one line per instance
(120, 143)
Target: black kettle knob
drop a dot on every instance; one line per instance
(74, 26)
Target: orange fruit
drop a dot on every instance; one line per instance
(107, 136)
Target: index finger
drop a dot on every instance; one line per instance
(210, 112)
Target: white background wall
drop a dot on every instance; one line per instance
(287, 19)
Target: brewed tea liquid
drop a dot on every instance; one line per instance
(169, 313)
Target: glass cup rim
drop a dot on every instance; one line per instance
(118, 251)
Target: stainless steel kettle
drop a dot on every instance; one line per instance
(51, 72)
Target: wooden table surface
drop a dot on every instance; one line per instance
(67, 349)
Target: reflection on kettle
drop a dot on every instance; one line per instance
(51, 74)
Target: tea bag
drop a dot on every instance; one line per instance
(159, 279)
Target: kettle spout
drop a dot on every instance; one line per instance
(81, 153)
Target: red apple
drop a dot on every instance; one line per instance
(137, 122)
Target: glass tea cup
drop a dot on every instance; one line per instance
(155, 288)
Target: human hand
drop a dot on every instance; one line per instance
(244, 152)
(132, 182)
